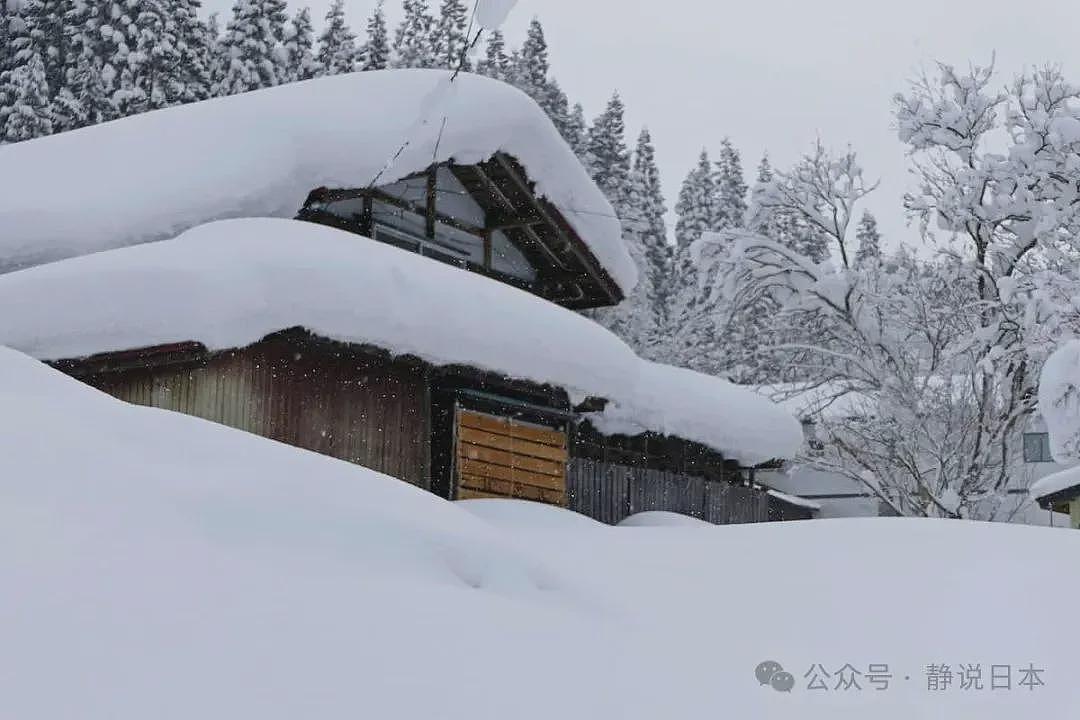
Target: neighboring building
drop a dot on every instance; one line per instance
(841, 496)
(446, 351)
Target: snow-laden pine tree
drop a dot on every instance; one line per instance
(869, 238)
(253, 43)
(155, 61)
(607, 151)
(30, 113)
(412, 41)
(730, 187)
(217, 55)
(448, 37)
(91, 104)
(11, 27)
(577, 133)
(376, 51)
(195, 73)
(337, 44)
(698, 204)
(44, 33)
(299, 47)
(533, 64)
(496, 62)
(647, 200)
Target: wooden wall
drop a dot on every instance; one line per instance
(610, 493)
(336, 400)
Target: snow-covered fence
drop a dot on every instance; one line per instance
(610, 492)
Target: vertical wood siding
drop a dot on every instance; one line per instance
(610, 493)
(339, 402)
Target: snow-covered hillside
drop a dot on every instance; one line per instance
(154, 565)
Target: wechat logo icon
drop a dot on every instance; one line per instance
(772, 673)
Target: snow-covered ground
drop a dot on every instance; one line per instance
(157, 566)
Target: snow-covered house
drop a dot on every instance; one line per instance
(417, 317)
(1060, 493)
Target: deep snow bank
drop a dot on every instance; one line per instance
(154, 565)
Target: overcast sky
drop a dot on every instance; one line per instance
(776, 74)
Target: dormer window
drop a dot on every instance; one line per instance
(483, 218)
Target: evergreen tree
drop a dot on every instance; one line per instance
(299, 46)
(607, 152)
(337, 44)
(195, 73)
(869, 240)
(412, 41)
(376, 54)
(45, 34)
(577, 133)
(30, 114)
(88, 89)
(217, 56)
(253, 43)
(155, 61)
(730, 186)
(12, 27)
(449, 39)
(557, 106)
(496, 62)
(698, 204)
(648, 197)
(67, 112)
(533, 64)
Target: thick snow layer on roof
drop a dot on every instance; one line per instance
(1059, 401)
(1055, 483)
(705, 409)
(154, 175)
(795, 500)
(231, 283)
(158, 566)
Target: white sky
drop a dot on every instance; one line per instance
(776, 74)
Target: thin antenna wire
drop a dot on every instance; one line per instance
(457, 71)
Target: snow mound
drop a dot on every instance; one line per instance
(661, 518)
(521, 514)
(152, 176)
(231, 283)
(155, 565)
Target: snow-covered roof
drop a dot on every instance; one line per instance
(231, 283)
(152, 176)
(795, 500)
(1055, 483)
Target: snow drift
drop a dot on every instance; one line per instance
(231, 283)
(152, 176)
(158, 566)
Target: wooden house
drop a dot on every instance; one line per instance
(456, 418)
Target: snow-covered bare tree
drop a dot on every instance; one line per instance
(376, 50)
(938, 358)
